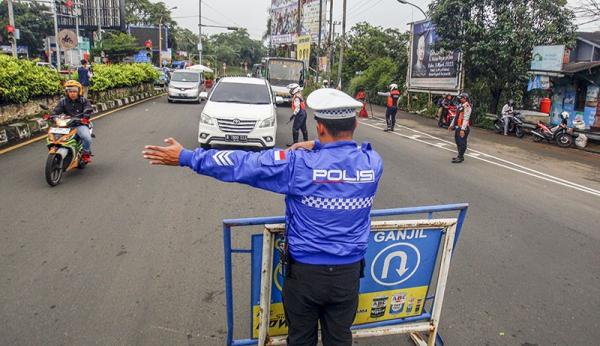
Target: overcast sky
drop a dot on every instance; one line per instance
(252, 14)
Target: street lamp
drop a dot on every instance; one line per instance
(160, 36)
(413, 5)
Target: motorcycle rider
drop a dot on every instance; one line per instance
(461, 126)
(393, 96)
(507, 114)
(444, 105)
(299, 114)
(75, 105)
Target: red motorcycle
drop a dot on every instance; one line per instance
(447, 116)
(561, 134)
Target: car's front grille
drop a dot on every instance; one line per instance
(236, 125)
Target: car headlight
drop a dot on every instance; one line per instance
(269, 122)
(208, 120)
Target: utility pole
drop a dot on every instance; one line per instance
(54, 10)
(200, 32)
(160, 43)
(99, 20)
(330, 42)
(11, 21)
(319, 39)
(76, 8)
(299, 26)
(342, 47)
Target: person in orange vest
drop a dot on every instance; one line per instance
(298, 114)
(461, 125)
(362, 96)
(393, 96)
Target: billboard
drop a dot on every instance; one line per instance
(284, 20)
(431, 70)
(547, 58)
(112, 15)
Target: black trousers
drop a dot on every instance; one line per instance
(390, 117)
(461, 143)
(321, 293)
(299, 124)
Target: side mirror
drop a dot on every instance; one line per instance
(278, 100)
(203, 95)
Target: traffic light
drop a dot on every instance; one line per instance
(11, 32)
(149, 52)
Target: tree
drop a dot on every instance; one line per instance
(117, 45)
(31, 21)
(144, 12)
(366, 44)
(235, 48)
(588, 11)
(185, 40)
(497, 38)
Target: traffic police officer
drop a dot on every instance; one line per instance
(329, 185)
(298, 113)
(393, 96)
(461, 125)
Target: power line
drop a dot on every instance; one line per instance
(357, 9)
(220, 13)
(364, 11)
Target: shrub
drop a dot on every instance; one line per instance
(22, 80)
(108, 77)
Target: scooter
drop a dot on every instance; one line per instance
(449, 117)
(515, 126)
(561, 134)
(65, 148)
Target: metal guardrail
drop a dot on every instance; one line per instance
(228, 224)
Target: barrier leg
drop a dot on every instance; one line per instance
(228, 282)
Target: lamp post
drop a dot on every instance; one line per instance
(413, 5)
(160, 37)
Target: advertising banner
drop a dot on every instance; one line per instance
(430, 69)
(547, 58)
(591, 102)
(303, 47)
(284, 20)
(399, 267)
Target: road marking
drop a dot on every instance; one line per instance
(478, 155)
(39, 138)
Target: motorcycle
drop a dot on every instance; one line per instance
(446, 120)
(515, 126)
(65, 148)
(561, 134)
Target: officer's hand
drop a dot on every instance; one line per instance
(302, 145)
(450, 128)
(168, 156)
(462, 133)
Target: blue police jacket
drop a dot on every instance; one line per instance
(329, 193)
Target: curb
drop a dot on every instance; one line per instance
(16, 135)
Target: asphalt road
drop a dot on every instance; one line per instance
(125, 253)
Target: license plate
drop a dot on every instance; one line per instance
(236, 138)
(182, 95)
(60, 130)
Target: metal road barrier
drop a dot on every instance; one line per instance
(406, 269)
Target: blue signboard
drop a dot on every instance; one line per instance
(399, 266)
(141, 57)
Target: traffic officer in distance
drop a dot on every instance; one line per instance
(329, 185)
(461, 125)
(298, 113)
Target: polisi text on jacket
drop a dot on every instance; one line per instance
(343, 176)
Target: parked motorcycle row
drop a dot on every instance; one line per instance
(561, 135)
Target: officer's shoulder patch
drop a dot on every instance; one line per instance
(274, 157)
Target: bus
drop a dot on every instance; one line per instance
(280, 72)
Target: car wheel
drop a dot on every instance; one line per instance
(169, 100)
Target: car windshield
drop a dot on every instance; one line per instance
(185, 77)
(256, 94)
(284, 72)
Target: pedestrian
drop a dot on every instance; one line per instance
(298, 114)
(361, 96)
(329, 185)
(507, 113)
(84, 75)
(393, 97)
(461, 125)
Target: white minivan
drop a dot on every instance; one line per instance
(186, 86)
(239, 111)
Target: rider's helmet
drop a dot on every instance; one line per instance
(511, 102)
(294, 88)
(564, 115)
(73, 84)
(325, 82)
(463, 96)
(393, 86)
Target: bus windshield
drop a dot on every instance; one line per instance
(284, 72)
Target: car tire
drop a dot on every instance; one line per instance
(169, 100)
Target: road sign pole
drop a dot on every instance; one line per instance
(11, 21)
(54, 10)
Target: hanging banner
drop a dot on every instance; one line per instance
(284, 20)
(547, 58)
(303, 47)
(431, 70)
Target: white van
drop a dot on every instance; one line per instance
(186, 86)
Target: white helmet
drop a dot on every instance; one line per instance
(393, 86)
(564, 115)
(294, 88)
(325, 82)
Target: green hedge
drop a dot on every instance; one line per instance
(21, 80)
(108, 77)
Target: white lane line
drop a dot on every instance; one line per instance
(505, 161)
(526, 171)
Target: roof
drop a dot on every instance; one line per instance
(243, 80)
(590, 37)
(580, 66)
